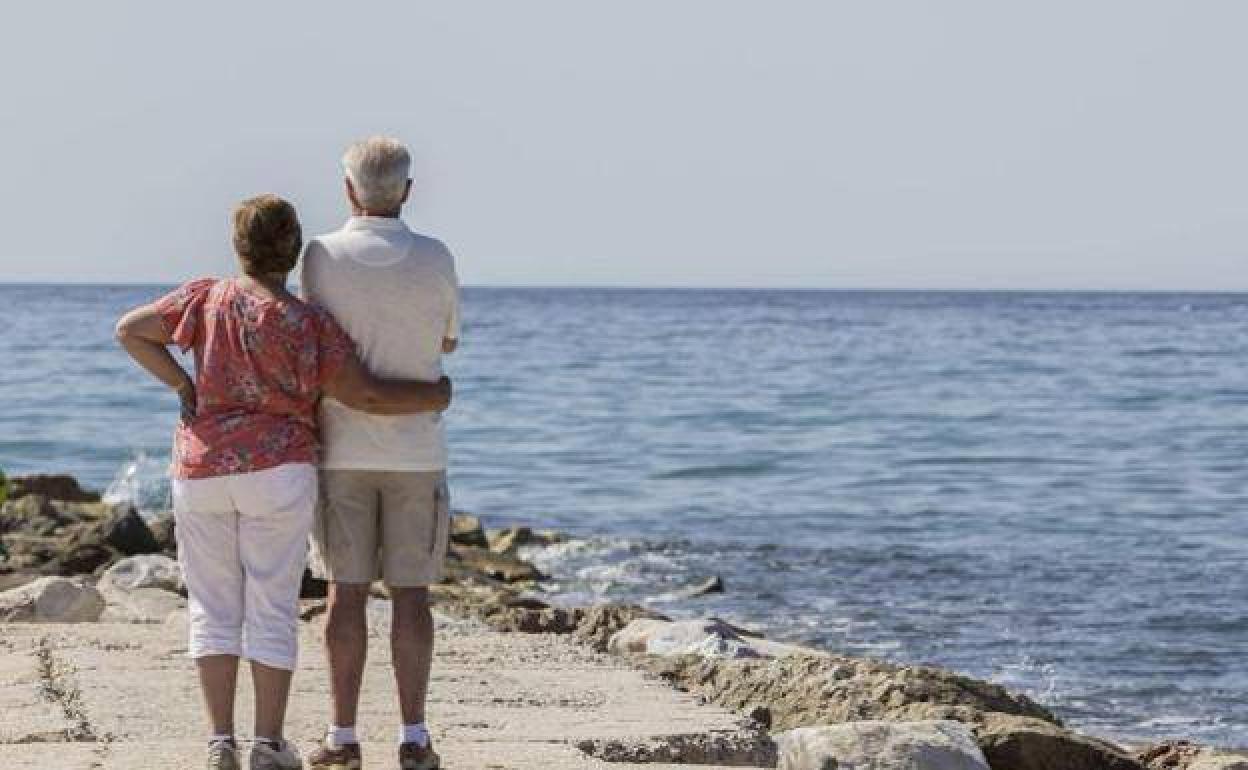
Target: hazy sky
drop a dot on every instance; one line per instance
(1065, 143)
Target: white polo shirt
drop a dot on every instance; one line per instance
(396, 294)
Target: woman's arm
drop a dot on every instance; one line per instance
(144, 336)
(355, 386)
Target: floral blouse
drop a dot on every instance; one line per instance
(260, 366)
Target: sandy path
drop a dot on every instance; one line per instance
(497, 701)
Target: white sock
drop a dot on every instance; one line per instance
(337, 737)
(416, 734)
(221, 738)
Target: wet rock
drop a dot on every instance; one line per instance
(119, 527)
(806, 690)
(1020, 743)
(930, 745)
(708, 638)
(740, 748)
(499, 566)
(508, 541)
(52, 600)
(1185, 755)
(51, 486)
(466, 529)
(140, 605)
(600, 623)
(162, 528)
(712, 585)
(1170, 755)
(152, 570)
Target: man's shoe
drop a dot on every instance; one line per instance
(265, 756)
(338, 758)
(413, 756)
(222, 755)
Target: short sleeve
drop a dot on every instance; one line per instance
(182, 310)
(334, 347)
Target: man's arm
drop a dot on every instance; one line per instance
(355, 386)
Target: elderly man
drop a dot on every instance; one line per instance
(385, 510)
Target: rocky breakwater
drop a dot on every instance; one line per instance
(71, 558)
(67, 556)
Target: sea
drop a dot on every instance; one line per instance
(1044, 489)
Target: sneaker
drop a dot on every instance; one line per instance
(222, 755)
(266, 756)
(413, 756)
(338, 758)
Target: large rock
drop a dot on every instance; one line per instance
(498, 566)
(600, 623)
(709, 637)
(52, 600)
(807, 690)
(150, 570)
(1020, 743)
(931, 745)
(112, 532)
(466, 529)
(51, 486)
(31, 515)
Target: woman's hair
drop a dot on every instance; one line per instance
(267, 235)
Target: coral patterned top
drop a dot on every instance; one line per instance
(260, 366)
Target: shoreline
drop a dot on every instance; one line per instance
(794, 701)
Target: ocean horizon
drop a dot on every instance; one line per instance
(1043, 488)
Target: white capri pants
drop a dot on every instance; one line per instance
(242, 543)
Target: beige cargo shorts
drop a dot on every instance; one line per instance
(387, 525)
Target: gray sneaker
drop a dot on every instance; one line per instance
(222, 755)
(265, 757)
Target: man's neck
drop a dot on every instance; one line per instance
(358, 212)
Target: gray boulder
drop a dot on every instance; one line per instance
(708, 638)
(930, 745)
(1020, 743)
(150, 570)
(52, 600)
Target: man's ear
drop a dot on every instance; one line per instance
(407, 191)
(351, 193)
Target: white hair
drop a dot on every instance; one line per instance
(379, 168)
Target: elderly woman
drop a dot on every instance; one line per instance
(245, 454)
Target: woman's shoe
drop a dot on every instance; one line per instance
(413, 756)
(222, 755)
(267, 756)
(336, 758)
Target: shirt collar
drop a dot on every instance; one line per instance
(384, 224)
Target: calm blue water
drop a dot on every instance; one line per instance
(1046, 489)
